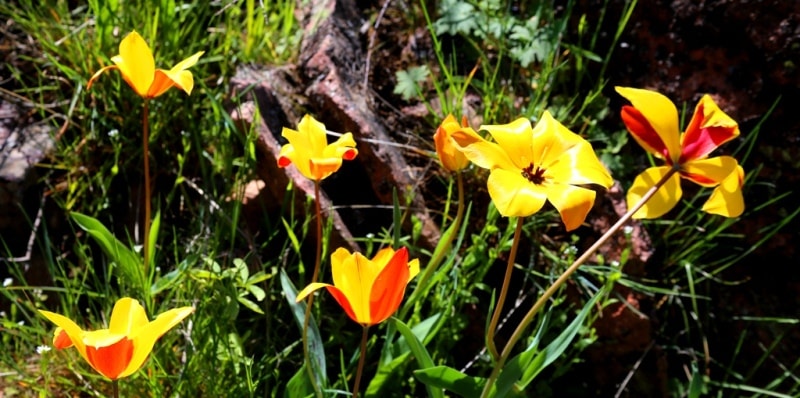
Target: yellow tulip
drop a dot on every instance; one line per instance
(531, 166)
(451, 158)
(120, 350)
(369, 291)
(652, 120)
(135, 62)
(309, 151)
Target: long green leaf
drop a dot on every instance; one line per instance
(451, 380)
(423, 358)
(128, 263)
(314, 338)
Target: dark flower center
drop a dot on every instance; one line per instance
(533, 174)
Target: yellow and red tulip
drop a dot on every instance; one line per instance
(309, 151)
(135, 62)
(452, 159)
(122, 349)
(531, 166)
(369, 291)
(652, 119)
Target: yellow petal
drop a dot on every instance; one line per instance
(101, 338)
(485, 154)
(661, 114)
(726, 199)
(187, 63)
(566, 157)
(709, 128)
(127, 316)
(516, 140)
(136, 63)
(311, 288)
(413, 269)
(70, 328)
(314, 136)
(161, 83)
(573, 203)
(513, 195)
(709, 172)
(664, 199)
(145, 337)
(98, 73)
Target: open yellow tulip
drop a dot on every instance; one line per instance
(369, 291)
(653, 121)
(530, 166)
(120, 350)
(309, 151)
(135, 62)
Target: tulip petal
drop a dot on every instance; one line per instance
(69, 327)
(709, 172)
(709, 128)
(653, 122)
(573, 203)
(664, 199)
(127, 316)
(98, 73)
(344, 302)
(513, 195)
(112, 359)
(145, 337)
(61, 339)
(726, 199)
(388, 288)
(161, 83)
(354, 277)
(451, 158)
(342, 148)
(485, 154)
(136, 63)
(516, 140)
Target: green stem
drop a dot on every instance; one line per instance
(563, 278)
(145, 149)
(361, 358)
(310, 302)
(438, 255)
(498, 308)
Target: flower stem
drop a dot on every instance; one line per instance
(564, 277)
(146, 155)
(310, 301)
(115, 387)
(362, 356)
(503, 291)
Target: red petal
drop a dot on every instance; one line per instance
(388, 289)
(643, 132)
(111, 360)
(350, 154)
(343, 302)
(283, 161)
(699, 142)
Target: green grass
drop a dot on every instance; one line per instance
(243, 338)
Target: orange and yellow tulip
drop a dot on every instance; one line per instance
(452, 159)
(531, 166)
(122, 349)
(309, 151)
(369, 291)
(135, 62)
(652, 120)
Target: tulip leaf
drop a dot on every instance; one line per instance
(523, 368)
(451, 380)
(299, 386)
(315, 347)
(128, 263)
(419, 351)
(153, 238)
(386, 376)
